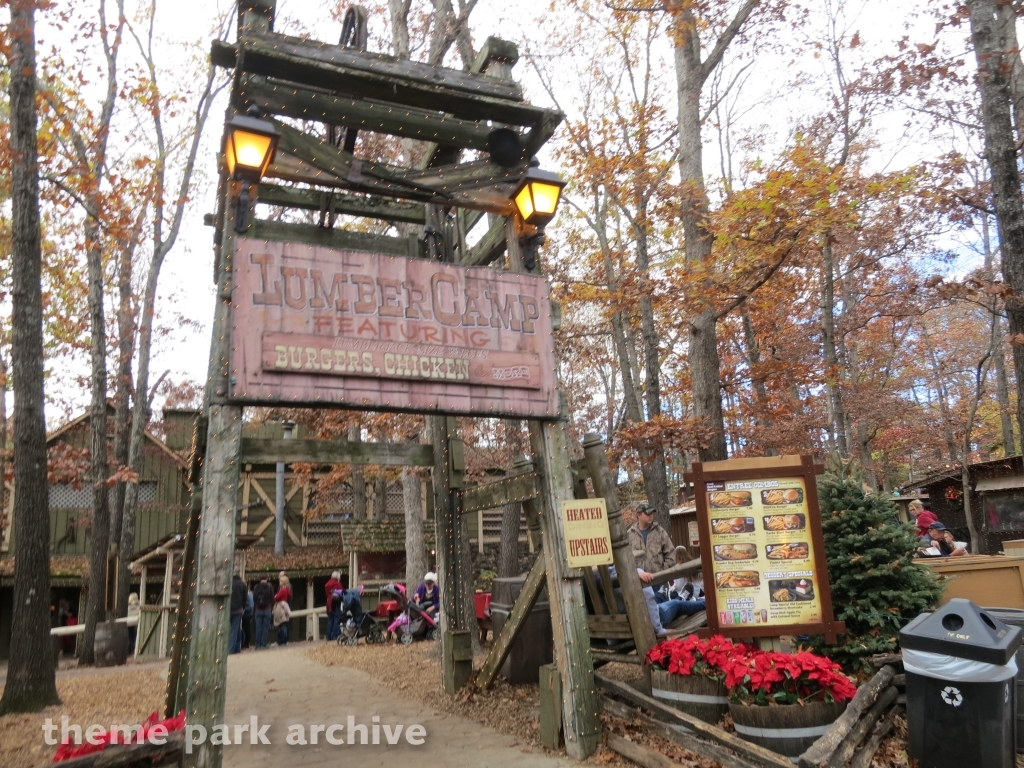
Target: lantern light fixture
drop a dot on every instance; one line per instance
(251, 144)
(537, 196)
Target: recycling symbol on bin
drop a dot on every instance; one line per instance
(952, 696)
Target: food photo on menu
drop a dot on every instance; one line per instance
(723, 525)
(791, 550)
(730, 499)
(790, 590)
(785, 522)
(738, 579)
(780, 496)
(736, 551)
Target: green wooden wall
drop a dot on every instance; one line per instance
(69, 534)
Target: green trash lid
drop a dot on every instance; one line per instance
(961, 629)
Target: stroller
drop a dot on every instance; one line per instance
(413, 623)
(359, 624)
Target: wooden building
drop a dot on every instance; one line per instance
(997, 500)
(162, 512)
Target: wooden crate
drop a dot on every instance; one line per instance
(987, 580)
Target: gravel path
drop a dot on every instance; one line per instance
(286, 686)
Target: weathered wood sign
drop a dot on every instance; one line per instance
(762, 550)
(315, 325)
(588, 539)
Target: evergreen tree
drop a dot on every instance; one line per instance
(877, 588)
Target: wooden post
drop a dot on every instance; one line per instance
(177, 674)
(456, 662)
(522, 466)
(142, 601)
(208, 651)
(165, 605)
(625, 564)
(565, 592)
(246, 489)
(312, 621)
(480, 531)
(550, 707)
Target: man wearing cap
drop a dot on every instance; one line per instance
(428, 594)
(940, 538)
(652, 546)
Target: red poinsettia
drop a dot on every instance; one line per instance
(770, 677)
(696, 656)
(753, 676)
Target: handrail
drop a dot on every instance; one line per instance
(78, 629)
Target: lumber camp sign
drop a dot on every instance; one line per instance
(316, 326)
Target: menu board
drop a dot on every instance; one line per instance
(762, 553)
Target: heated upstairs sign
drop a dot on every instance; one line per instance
(317, 326)
(588, 540)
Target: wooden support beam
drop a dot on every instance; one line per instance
(275, 97)
(758, 755)
(266, 451)
(668, 732)
(550, 707)
(178, 673)
(169, 753)
(524, 465)
(308, 159)
(489, 248)
(301, 56)
(345, 205)
(367, 75)
(625, 564)
(449, 527)
(348, 240)
(565, 592)
(208, 651)
(513, 625)
(509, 490)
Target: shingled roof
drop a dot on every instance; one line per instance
(386, 535)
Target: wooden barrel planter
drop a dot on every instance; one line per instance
(111, 645)
(695, 695)
(788, 730)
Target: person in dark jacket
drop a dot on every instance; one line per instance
(263, 609)
(248, 633)
(335, 596)
(239, 599)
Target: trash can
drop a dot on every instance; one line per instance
(1015, 617)
(960, 687)
(535, 645)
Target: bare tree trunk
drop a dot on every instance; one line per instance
(99, 535)
(753, 350)
(4, 435)
(981, 374)
(1003, 395)
(653, 455)
(380, 497)
(30, 684)
(833, 380)
(358, 479)
(508, 548)
(691, 74)
(162, 245)
(122, 394)
(415, 549)
(991, 47)
(940, 391)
